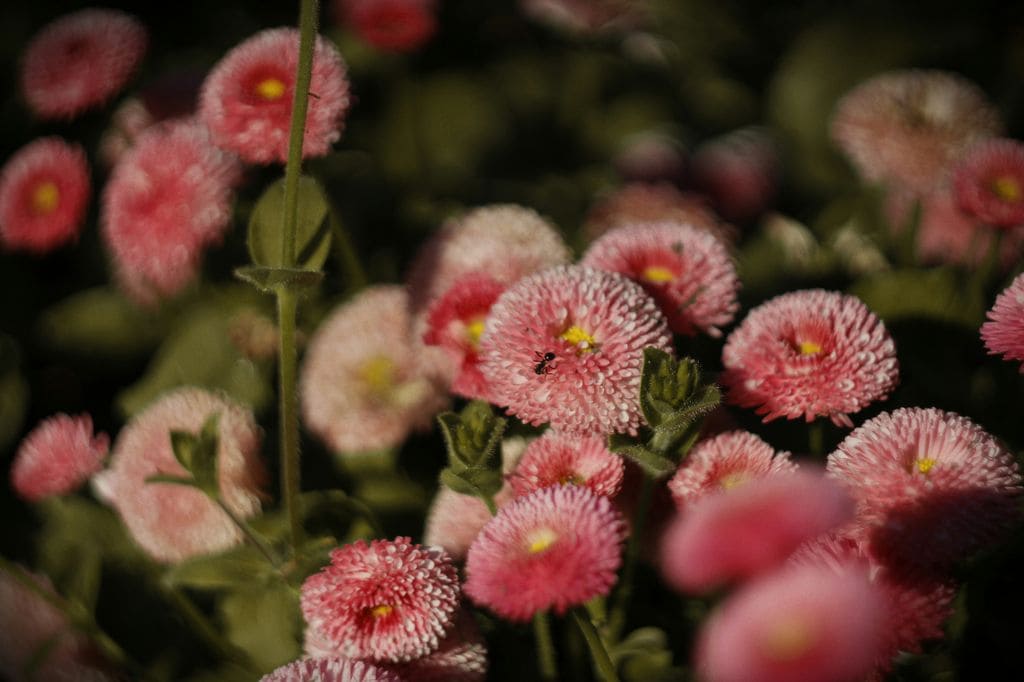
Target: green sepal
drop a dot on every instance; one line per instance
(312, 230)
(654, 464)
(269, 280)
(472, 437)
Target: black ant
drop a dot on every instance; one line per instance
(543, 366)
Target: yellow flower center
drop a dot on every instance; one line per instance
(809, 348)
(787, 639)
(657, 274)
(540, 540)
(379, 373)
(733, 480)
(572, 479)
(473, 331)
(270, 88)
(584, 342)
(45, 197)
(381, 610)
(924, 465)
(1008, 189)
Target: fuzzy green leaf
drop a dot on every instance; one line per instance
(472, 437)
(654, 464)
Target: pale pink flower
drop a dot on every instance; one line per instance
(246, 101)
(390, 25)
(1003, 333)
(387, 601)
(811, 353)
(739, 171)
(931, 486)
(742, 532)
(989, 182)
(565, 346)
(58, 456)
(803, 624)
(552, 549)
(174, 522)
(557, 459)
(724, 462)
(365, 385)
(454, 520)
(80, 60)
(685, 269)
(653, 203)
(332, 669)
(44, 191)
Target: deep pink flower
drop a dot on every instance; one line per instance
(552, 549)
(173, 522)
(391, 25)
(556, 459)
(58, 456)
(594, 325)
(332, 669)
(803, 624)
(684, 268)
(809, 354)
(44, 190)
(725, 462)
(167, 199)
(365, 385)
(739, 171)
(653, 203)
(931, 486)
(741, 532)
(1003, 333)
(387, 601)
(80, 61)
(246, 101)
(989, 182)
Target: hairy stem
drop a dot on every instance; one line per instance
(545, 646)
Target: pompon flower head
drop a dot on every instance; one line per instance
(640, 202)
(905, 128)
(167, 199)
(1003, 333)
(556, 459)
(58, 456)
(246, 101)
(333, 669)
(387, 601)
(364, 384)
(931, 486)
(80, 61)
(44, 191)
(565, 346)
(739, 533)
(802, 624)
(724, 462)
(989, 182)
(811, 353)
(390, 25)
(555, 548)
(685, 269)
(173, 522)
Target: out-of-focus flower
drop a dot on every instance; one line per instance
(246, 101)
(724, 462)
(739, 172)
(173, 522)
(930, 486)
(391, 25)
(126, 124)
(653, 203)
(745, 531)
(565, 346)
(364, 384)
(167, 199)
(333, 669)
(80, 61)
(989, 182)
(552, 549)
(811, 353)
(454, 520)
(44, 190)
(58, 456)
(560, 459)
(687, 271)
(387, 601)
(587, 16)
(651, 157)
(1003, 333)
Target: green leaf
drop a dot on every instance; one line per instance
(313, 230)
(672, 392)
(233, 568)
(184, 446)
(268, 280)
(643, 655)
(98, 322)
(482, 483)
(392, 494)
(265, 622)
(472, 437)
(654, 464)
(935, 294)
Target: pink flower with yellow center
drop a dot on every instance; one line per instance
(1003, 333)
(685, 269)
(809, 354)
(559, 459)
(246, 101)
(390, 25)
(387, 601)
(989, 182)
(80, 61)
(555, 548)
(58, 456)
(44, 191)
(333, 669)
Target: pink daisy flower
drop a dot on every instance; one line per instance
(462, 656)
(559, 459)
(454, 520)
(565, 346)
(455, 322)
(552, 549)
(390, 25)
(809, 354)
(167, 199)
(724, 462)
(332, 669)
(1003, 333)
(653, 203)
(739, 533)
(989, 182)
(80, 61)
(172, 522)
(387, 601)
(58, 456)
(44, 191)
(364, 384)
(739, 171)
(907, 127)
(804, 624)
(685, 269)
(931, 486)
(246, 101)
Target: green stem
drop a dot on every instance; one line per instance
(545, 646)
(602, 662)
(625, 592)
(816, 438)
(201, 626)
(250, 534)
(287, 311)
